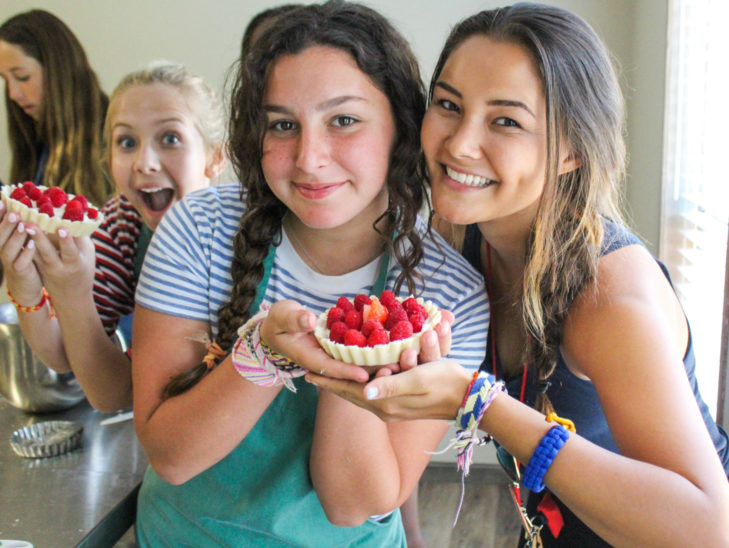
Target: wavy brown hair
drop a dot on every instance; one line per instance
(385, 57)
(584, 110)
(72, 113)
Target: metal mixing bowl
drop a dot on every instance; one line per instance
(24, 380)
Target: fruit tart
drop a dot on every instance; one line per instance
(373, 330)
(50, 208)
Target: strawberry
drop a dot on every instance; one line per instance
(92, 213)
(369, 326)
(378, 336)
(354, 338)
(353, 319)
(74, 214)
(375, 311)
(388, 298)
(396, 315)
(335, 314)
(57, 196)
(401, 330)
(416, 320)
(345, 304)
(47, 208)
(18, 193)
(337, 331)
(360, 301)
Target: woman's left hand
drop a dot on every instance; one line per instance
(289, 330)
(67, 270)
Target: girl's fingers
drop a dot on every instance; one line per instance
(287, 317)
(46, 250)
(429, 347)
(443, 330)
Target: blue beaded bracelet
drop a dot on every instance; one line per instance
(543, 457)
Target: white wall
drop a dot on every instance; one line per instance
(123, 36)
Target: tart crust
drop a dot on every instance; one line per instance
(47, 224)
(381, 354)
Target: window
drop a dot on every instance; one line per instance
(695, 204)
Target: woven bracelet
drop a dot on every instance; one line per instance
(543, 457)
(251, 363)
(44, 297)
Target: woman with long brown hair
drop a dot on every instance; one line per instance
(55, 106)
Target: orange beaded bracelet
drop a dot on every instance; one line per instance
(44, 297)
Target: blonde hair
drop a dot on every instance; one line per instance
(203, 101)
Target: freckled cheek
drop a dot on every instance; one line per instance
(367, 156)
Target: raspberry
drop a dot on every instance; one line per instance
(83, 200)
(43, 200)
(27, 186)
(353, 319)
(378, 336)
(335, 315)
(416, 320)
(375, 311)
(74, 214)
(360, 301)
(369, 326)
(76, 203)
(345, 304)
(92, 213)
(337, 331)
(410, 303)
(396, 315)
(354, 338)
(58, 197)
(18, 193)
(388, 298)
(25, 200)
(33, 192)
(401, 330)
(47, 208)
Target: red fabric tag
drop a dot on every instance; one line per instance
(551, 511)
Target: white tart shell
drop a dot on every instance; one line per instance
(381, 354)
(47, 224)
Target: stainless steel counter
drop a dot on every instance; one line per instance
(84, 498)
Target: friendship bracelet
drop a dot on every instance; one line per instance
(251, 363)
(543, 457)
(479, 396)
(44, 297)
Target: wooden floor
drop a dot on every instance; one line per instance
(488, 518)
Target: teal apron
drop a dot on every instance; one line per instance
(260, 495)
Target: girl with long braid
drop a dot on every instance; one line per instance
(324, 135)
(524, 142)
